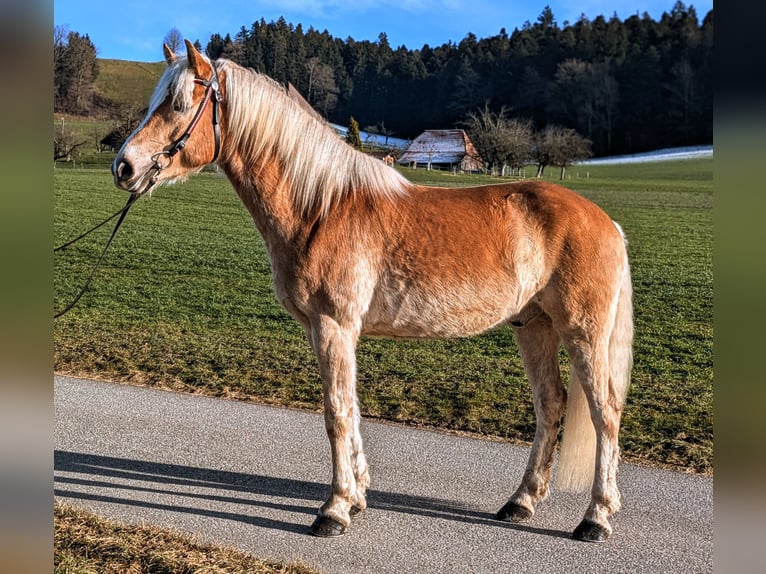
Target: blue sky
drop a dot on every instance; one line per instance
(134, 30)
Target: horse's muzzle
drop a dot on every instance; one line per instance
(123, 173)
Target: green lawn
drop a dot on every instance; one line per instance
(184, 300)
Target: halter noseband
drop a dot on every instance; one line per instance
(212, 92)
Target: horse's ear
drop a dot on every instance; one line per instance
(170, 57)
(197, 63)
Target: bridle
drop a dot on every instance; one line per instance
(212, 92)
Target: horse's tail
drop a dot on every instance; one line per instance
(577, 456)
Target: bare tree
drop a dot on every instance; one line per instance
(60, 34)
(501, 141)
(387, 132)
(125, 117)
(589, 97)
(683, 97)
(381, 130)
(322, 90)
(485, 130)
(561, 147)
(520, 136)
(174, 39)
(64, 142)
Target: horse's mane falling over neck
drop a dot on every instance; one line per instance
(264, 124)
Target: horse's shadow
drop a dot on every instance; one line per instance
(106, 473)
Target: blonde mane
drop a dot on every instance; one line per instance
(265, 124)
(176, 81)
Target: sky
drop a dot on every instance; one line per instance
(135, 30)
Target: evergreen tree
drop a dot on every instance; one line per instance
(75, 71)
(628, 85)
(352, 136)
(215, 45)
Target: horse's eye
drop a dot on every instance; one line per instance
(176, 103)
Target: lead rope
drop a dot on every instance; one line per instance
(122, 213)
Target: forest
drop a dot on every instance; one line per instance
(626, 85)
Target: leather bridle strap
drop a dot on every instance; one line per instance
(212, 92)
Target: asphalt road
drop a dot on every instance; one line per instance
(252, 477)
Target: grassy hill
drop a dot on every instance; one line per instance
(128, 82)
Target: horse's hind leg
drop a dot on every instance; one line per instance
(590, 361)
(335, 348)
(539, 344)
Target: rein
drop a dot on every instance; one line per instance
(122, 213)
(212, 92)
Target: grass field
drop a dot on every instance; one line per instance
(128, 82)
(184, 301)
(87, 544)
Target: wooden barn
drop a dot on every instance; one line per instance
(443, 149)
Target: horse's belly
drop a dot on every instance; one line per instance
(456, 312)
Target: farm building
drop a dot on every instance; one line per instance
(443, 149)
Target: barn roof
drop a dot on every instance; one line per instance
(443, 147)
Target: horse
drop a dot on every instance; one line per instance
(356, 250)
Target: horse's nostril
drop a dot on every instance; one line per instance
(124, 171)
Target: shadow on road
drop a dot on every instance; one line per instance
(122, 476)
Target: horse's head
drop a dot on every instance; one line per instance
(180, 133)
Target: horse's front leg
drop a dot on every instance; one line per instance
(335, 348)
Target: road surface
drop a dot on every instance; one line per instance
(252, 477)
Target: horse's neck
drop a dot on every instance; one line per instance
(263, 194)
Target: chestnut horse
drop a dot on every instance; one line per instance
(356, 249)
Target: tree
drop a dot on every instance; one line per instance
(520, 136)
(682, 99)
(352, 136)
(125, 118)
(628, 85)
(75, 71)
(60, 34)
(467, 89)
(214, 47)
(587, 97)
(322, 90)
(174, 40)
(485, 130)
(65, 142)
(501, 141)
(559, 146)
(380, 129)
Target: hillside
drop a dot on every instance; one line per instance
(128, 82)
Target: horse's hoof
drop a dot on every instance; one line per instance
(326, 527)
(355, 512)
(588, 531)
(513, 512)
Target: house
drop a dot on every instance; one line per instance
(443, 149)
